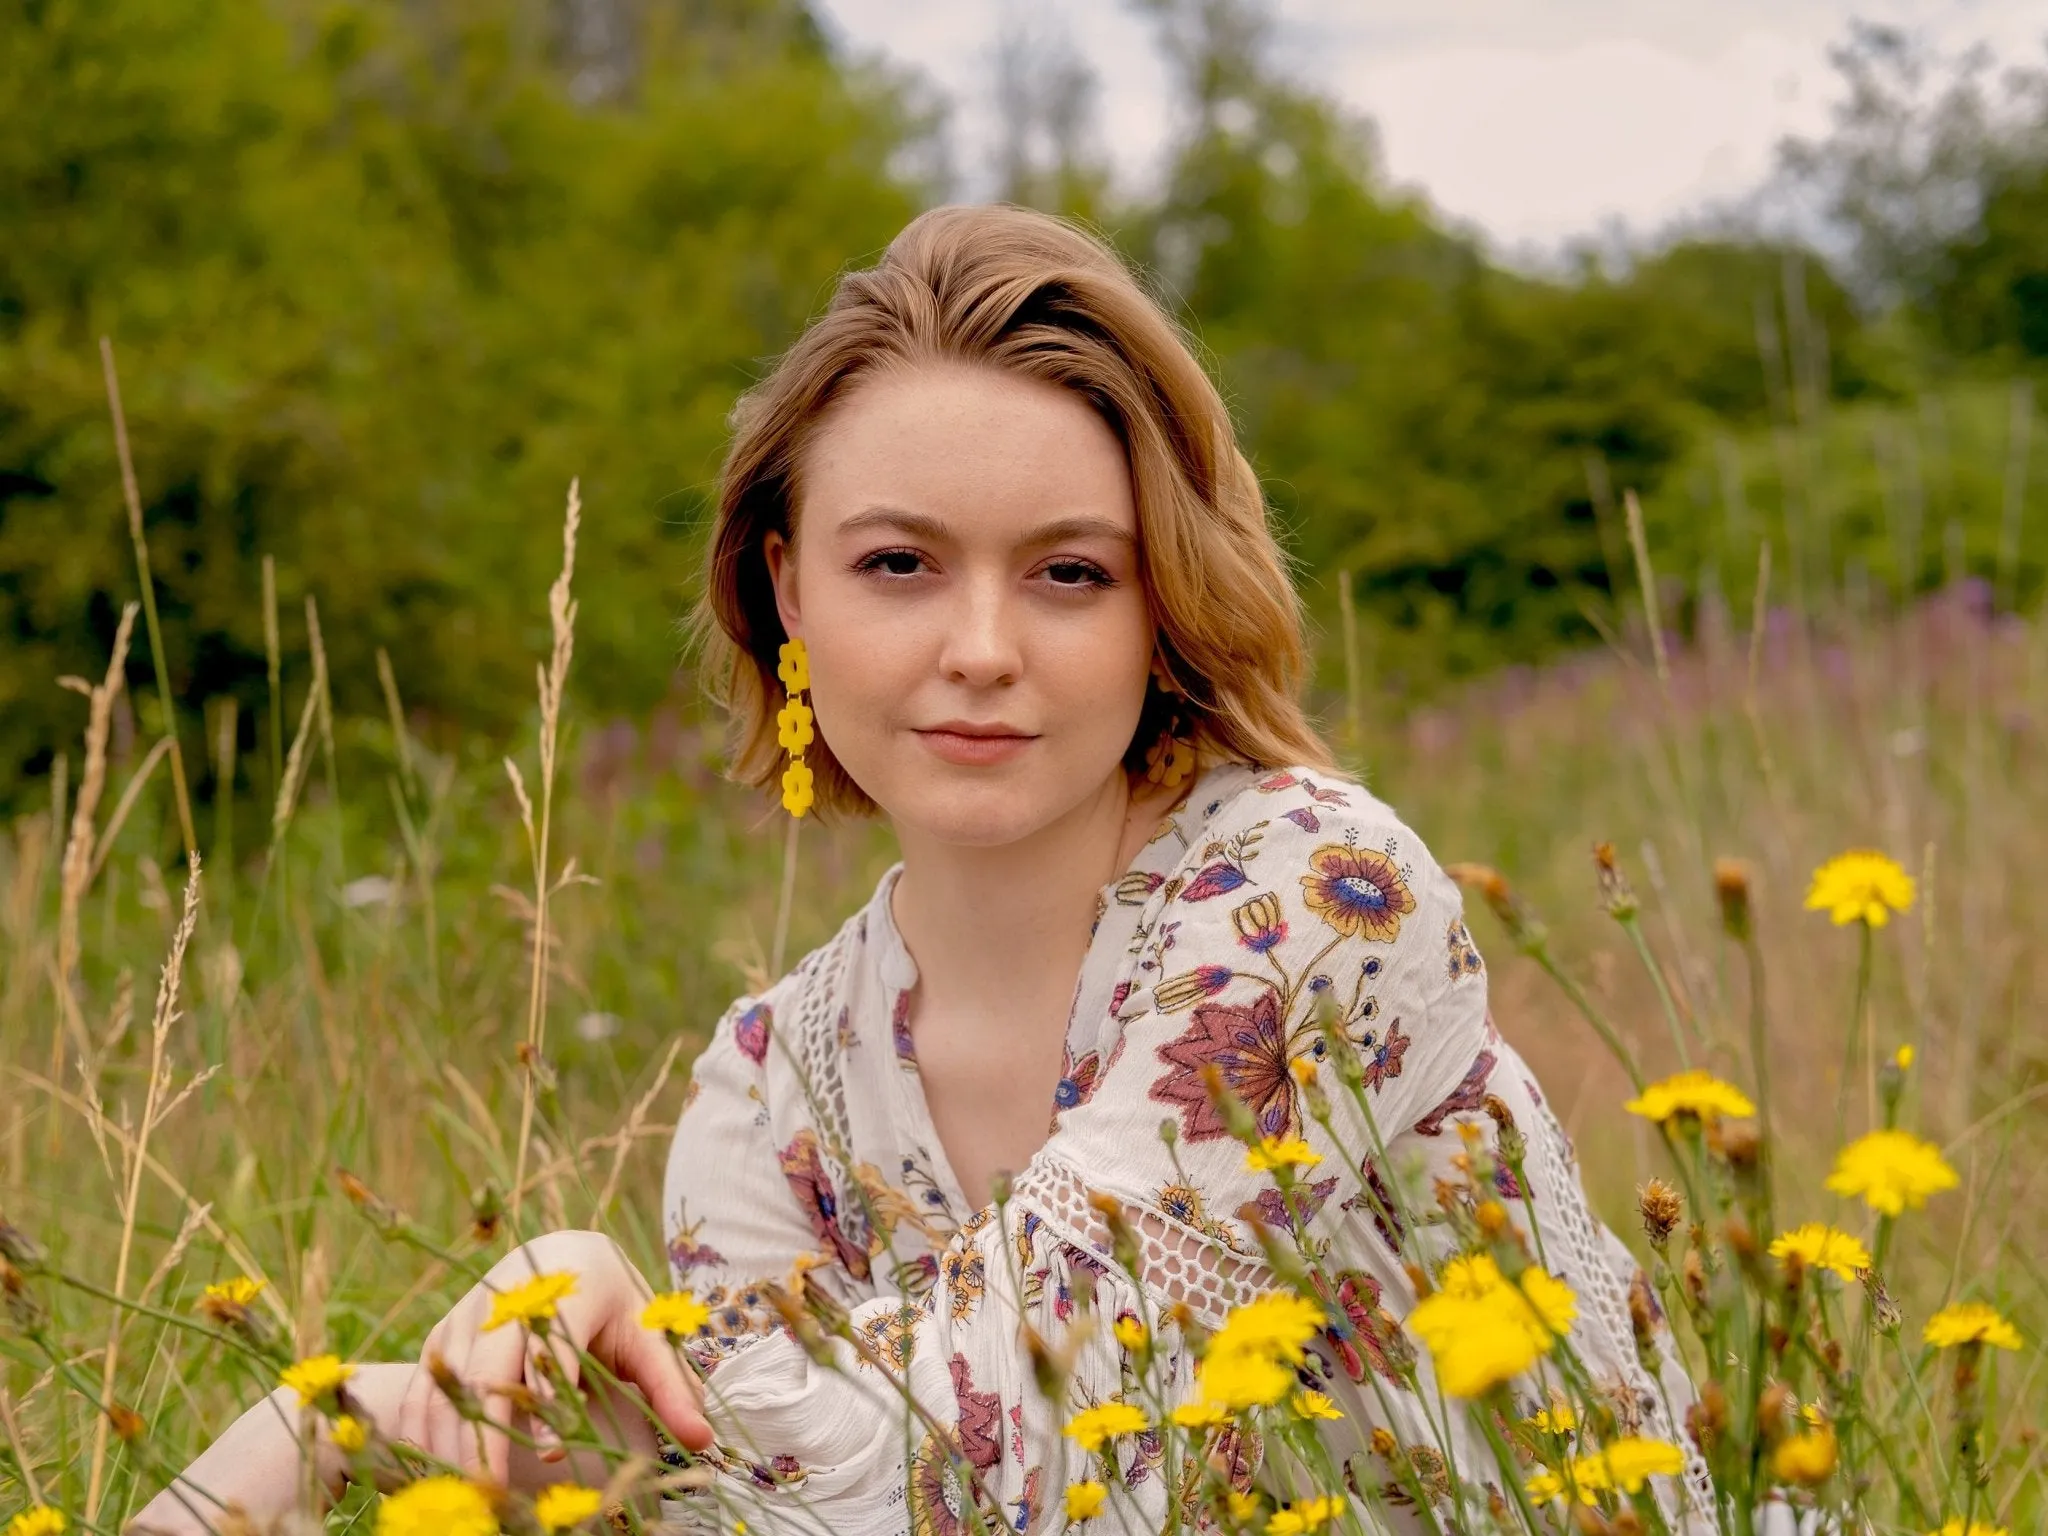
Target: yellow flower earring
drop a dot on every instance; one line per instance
(1171, 758)
(794, 728)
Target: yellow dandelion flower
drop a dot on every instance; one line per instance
(1092, 1428)
(1241, 1504)
(1310, 1404)
(1238, 1379)
(238, 1292)
(1696, 1093)
(1129, 1331)
(38, 1520)
(1892, 1171)
(1201, 1413)
(349, 1435)
(1970, 1322)
(317, 1378)
(563, 1506)
(437, 1506)
(1902, 1058)
(1272, 1154)
(1480, 1342)
(675, 1313)
(1629, 1462)
(1820, 1246)
(1555, 1304)
(1546, 1487)
(1955, 1527)
(1860, 887)
(1085, 1499)
(1807, 1459)
(1279, 1322)
(1557, 1419)
(531, 1301)
(1471, 1276)
(1304, 1515)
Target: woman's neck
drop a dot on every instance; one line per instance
(987, 924)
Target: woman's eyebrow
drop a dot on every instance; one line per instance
(922, 525)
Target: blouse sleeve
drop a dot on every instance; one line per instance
(1263, 927)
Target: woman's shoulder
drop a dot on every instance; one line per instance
(799, 1011)
(1305, 805)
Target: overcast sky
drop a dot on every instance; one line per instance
(1537, 120)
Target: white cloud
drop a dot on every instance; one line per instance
(1534, 119)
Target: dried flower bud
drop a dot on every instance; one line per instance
(21, 1250)
(453, 1387)
(486, 1212)
(1588, 1521)
(1169, 1131)
(1885, 1313)
(1616, 894)
(1047, 1369)
(1774, 1411)
(801, 1325)
(1663, 1208)
(1521, 925)
(1642, 1312)
(1735, 1142)
(1123, 1242)
(1707, 1419)
(384, 1217)
(1741, 1241)
(1693, 1274)
(1230, 1109)
(125, 1422)
(1000, 1185)
(20, 1304)
(1731, 889)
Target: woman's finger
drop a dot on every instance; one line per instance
(419, 1392)
(647, 1359)
(552, 1367)
(497, 1362)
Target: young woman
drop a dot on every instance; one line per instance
(1047, 632)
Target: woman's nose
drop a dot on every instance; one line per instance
(982, 645)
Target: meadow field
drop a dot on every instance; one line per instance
(365, 979)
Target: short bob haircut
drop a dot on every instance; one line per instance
(1009, 288)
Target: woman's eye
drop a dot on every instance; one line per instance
(892, 562)
(1078, 573)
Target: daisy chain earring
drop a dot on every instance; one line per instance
(793, 727)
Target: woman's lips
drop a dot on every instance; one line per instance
(973, 750)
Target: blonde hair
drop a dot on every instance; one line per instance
(1030, 294)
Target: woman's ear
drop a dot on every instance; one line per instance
(780, 553)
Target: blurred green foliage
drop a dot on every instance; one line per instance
(383, 275)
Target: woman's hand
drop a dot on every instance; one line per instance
(600, 1317)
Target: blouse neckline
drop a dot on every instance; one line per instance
(1090, 1022)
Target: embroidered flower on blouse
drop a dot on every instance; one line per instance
(1357, 891)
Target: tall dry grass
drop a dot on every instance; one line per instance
(410, 984)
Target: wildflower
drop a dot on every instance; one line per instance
(1241, 1504)
(1553, 1300)
(437, 1506)
(675, 1313)
(1092, 1428)
(530, 1302)
(1557, 1419)
(1860, 887)
(1955, 1527)
(38, 1520)
(317, 1378)
(1231, 1380)
(1731, 890)
(1304, 1515)
(1807, 1459)
(1902, 1058)
(1085, 1499)
(349, 1435)
(1629, 1462)
(565, 1505)
(1279, 1322)
(1970, 1322)
(1476, 1342)
(1892, 1171)
(1697, 1094)
(1204, 1413)
(1616, 894)
(1546, 1487)
(1315, 1405)
(1820, 1246)
(1129, 1331)
(1662, 1208)
(233, 1294)
(1273, 1154)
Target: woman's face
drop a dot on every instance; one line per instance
(965, 577)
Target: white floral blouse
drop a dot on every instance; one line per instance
(805, 1143)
